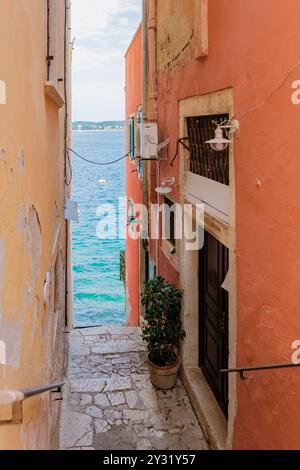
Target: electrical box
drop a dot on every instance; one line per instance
(147, 141)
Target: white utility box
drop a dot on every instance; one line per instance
(147, 141)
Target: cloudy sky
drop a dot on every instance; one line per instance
(103, 30)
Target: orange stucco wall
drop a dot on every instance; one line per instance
(31, 212)
(133, 183)
(252, 47)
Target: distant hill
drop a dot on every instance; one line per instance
(94, 126)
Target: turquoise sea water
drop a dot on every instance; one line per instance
(99, 296)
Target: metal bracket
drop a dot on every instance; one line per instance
(54, 392)
(242, 375)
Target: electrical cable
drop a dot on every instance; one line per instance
(265, 101)
(68, 165)
(68, 183)
(66, 157)
(180, 142)
(99, 163)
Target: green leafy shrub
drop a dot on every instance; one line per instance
(123, 266)
(162, 329)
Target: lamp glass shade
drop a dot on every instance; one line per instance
(219, 144)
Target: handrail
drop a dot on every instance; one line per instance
(31, 392)
(242, 370)
(9, 397)
(15, 399)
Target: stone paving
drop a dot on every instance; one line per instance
(110, 403)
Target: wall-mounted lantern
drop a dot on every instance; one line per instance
(221, 142)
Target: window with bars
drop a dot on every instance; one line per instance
(131, 126)
(203, 160)
(135, 121)
(140, 168)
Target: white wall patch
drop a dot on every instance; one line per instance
(2, 92)
(2, 353)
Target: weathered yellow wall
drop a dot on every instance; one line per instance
(180, 30)
(31, 211)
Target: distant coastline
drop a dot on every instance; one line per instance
(98, 126)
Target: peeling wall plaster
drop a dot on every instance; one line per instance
(12, 327)
(29, 225)
(32, 189)
(12, 332)
(172, 42)
(21, 161)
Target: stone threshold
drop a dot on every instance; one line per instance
(211, 418)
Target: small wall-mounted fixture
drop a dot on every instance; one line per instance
(163, 190)
(166, 187)
(134, 219)
(220, 143)
(133, 216)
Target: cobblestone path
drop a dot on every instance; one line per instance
(110, 403)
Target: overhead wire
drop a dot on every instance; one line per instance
(99, 163)
(266, 100)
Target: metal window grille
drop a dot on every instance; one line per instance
(203, 160)
(140, 168)
(131, 137)
(139, 117)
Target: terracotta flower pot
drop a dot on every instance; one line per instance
(164, 378)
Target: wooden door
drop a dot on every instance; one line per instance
(214, 263)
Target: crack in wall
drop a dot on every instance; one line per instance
(174, 61)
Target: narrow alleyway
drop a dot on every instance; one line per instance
(110, 404)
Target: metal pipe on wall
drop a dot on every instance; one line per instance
(145, 60)
(152, 52)
(144, 269)
(149, 85)
(149, 61)
(68, 165)
(152, 94)
(149, 52)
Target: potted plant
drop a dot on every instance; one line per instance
(162, 331)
